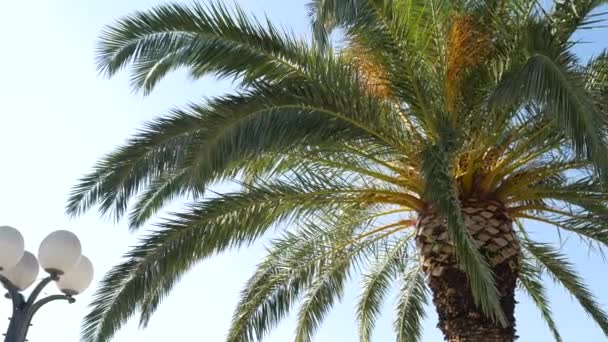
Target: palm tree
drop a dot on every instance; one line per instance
(413, 156)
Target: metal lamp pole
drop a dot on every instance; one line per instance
(59, 255)
(25, 309)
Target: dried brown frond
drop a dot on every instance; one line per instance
(373, 77)
(468, 47)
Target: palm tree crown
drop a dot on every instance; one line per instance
(427, 106)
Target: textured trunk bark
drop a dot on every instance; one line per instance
(492, 229)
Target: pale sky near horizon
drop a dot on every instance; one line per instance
(58, 116)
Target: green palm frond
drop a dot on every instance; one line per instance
(591, 230)
(584, 192)
(289, 269)
(572, 15)
(324, 290)
(376, 286)
(118, 176)
(357, 15)
(596, 80)
(410, 306)
(561, 271)
(275, 286)
(199, 38)
(159, 260)
(548, 75)
(159, 192)
(531, 283)
(310, 265)
(209, 138)
(597, 73)
(268, 297)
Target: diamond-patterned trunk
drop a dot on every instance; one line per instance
(492, 229)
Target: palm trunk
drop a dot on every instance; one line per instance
(460, 319)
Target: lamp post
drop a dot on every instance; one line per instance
(60, 256)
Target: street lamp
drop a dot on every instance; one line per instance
(60, 256)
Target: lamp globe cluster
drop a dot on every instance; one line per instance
(59, 254)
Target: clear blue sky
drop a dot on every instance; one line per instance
(57, 117)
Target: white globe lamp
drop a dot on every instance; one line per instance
(11, 247)
(78, 279)
(24, 273)
(59, 252)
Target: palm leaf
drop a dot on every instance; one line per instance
(547, 76)
(211, 138)
(410, 306)
(376, 285)
(532, 284)
(572, 15)
(198, 38)
(324, 290)
(212, 226)
(561, 271)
